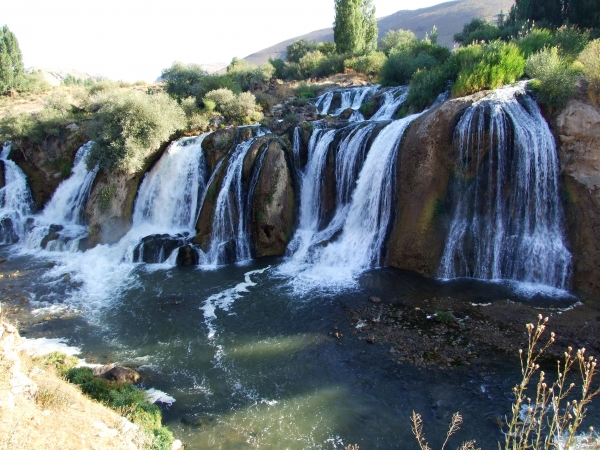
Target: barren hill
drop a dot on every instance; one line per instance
(449, 17)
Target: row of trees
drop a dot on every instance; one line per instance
(555, 13)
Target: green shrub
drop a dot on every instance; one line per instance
(478, 30)
(535, 41)
(279, 65)
(497, 64)
(555, 80)
(309, 63)
(425, 86)
(241, 108)
(60, 361)
(590, 60)
(246, 76)
(297, 50)
(369, 64)
(395, 39)
(367, 108)
(129, 126)
(34, 83)
(305, 90)
(403, 62)
(570, 41)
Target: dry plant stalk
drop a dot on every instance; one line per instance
(417, 430)
(548, 422)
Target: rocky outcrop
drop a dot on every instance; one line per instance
(109, 210)
(273, 203)
(578, 130)
(47, 164)
(423, 176)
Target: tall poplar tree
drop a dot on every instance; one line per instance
(355, 26)
(11, 61)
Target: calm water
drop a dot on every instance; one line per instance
(249, 359)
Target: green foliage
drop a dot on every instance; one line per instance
(370, 64)
(34, 83)
(129, 126)
(305, 90)
(279, 65)
(183, 81)
(241, 108)
(128, 400)
(583, 14)
(11, 62)
(535, 41)
(425, 86)
(555, 80)
(395, 39)
(295, 51)
(246, 76)
(478, 30)
(355, 27)
(367, 108)
(61, 362)
(106, 195)
(590, 60)
(570, 41)
(70, 80)
(407, 59)
(495, 65)
(309, 64)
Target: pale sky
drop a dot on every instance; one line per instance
(134, 40)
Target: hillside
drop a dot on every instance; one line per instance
(449, 17)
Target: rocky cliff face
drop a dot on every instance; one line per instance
(273, 205)
(578, 130)
(48, 163)
(109, 210)
(424, 171)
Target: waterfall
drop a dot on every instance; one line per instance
(351, 98)
(507, 216)
(296, 149)
(16, 203)
(229, 238)
(168, 198)
(68, 202)
(393, 98)
(168, 202)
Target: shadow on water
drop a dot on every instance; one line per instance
(266, 372)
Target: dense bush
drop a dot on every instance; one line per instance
(394, 39)
(478, 30)
(246, 76)
(407, 59)
(11, 62)
(425, 86)
(590, 60)
(369, 64)
(490, 67)
(128, 126)
(241, 108)
(554, 83)
(535, 41)
(305, 90)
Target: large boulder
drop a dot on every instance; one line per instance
(424, 170)
(273, 202)
(578, 130)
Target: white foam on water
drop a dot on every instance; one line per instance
(223, 300)
(45, 346)
(156, 396)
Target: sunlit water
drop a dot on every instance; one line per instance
(252, 364)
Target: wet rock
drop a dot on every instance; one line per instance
(67, 278)
(157, 248)
(53, 235)
(375, 299)
(187, 256)
(122, 375)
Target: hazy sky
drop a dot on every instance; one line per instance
(135, 40)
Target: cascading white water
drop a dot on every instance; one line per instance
(393, 99)
(351, 98)
(168, 202)
(296, 149)
(68, 202)
(229, 227)
(168, 198)
(16, 203)
(507, 221)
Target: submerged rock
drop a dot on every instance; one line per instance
(187, 256)
(121, 375)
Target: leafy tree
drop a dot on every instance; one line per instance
(583, 13)
(476, 31)
(296, 50)
(11, 61)
(355, 26)
(395, 39)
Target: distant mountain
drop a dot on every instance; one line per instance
(449, 17)
(56, 76)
